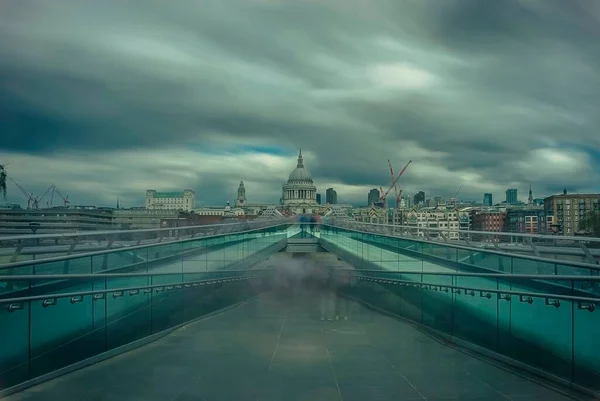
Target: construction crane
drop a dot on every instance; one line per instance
(37, 201)
(454, 200)
(383, 196)
(31, 199)
(64, 198)
(395, 185)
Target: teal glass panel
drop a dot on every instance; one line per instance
(81, 265)
(167, 302)
(195, 256)
(527, 266)
(99, 313)
(410, 297)
(372, 252)
(476, 310)
(170, 262)
(115, 262)
(354, 242)
(128, 313)
(504, 339)
(14, 344)
(121, 261)
(390, 258)
(62, 331)
(436, 302)
(586, 355)
(161, 252)
(215, 259)
(439, 251)
(13, 288)
(484, 260)
(193, 300)
(541, 334)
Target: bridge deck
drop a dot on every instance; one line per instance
(274, 347)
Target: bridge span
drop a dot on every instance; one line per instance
(278, 312)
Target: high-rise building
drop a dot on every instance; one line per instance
(487, 199)
(331, 196)
(170, 200)
(319, 199)
(373, 196)
(419, 198)
(511, 196)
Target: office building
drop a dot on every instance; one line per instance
(487, 199)
(319, 199)
(331, 196)
(372, 197)
(419, 199)
(511, 196)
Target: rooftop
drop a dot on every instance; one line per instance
(168, 195)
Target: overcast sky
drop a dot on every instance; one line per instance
(109, 98)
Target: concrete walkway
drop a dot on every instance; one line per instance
(275, 347)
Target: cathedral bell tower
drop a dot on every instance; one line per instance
(241, 195)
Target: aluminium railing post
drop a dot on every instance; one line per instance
(572, 333)
(498, 316)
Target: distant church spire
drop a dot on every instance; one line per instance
(117, 203)
(300, 160)
(530, 195)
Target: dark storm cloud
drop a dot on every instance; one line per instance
(467, 85)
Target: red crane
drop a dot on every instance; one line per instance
(398, 198)
(393, 185)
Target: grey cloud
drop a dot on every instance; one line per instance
(510, 76)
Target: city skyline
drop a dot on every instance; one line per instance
(104, 106)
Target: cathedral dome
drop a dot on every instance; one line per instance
(299, 191)
(300, 174)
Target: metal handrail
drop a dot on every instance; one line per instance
(491, 233)
(490, 251)
(482, 291)
(481, 275)
(120, 290)
(46, 277)
(128, 249)
(117, 232)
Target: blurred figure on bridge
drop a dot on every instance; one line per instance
(326, 298)
(313, 221)
(341, 282)
(303, 221)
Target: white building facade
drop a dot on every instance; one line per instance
(299, 194)
(184, 201)
(438, 217)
